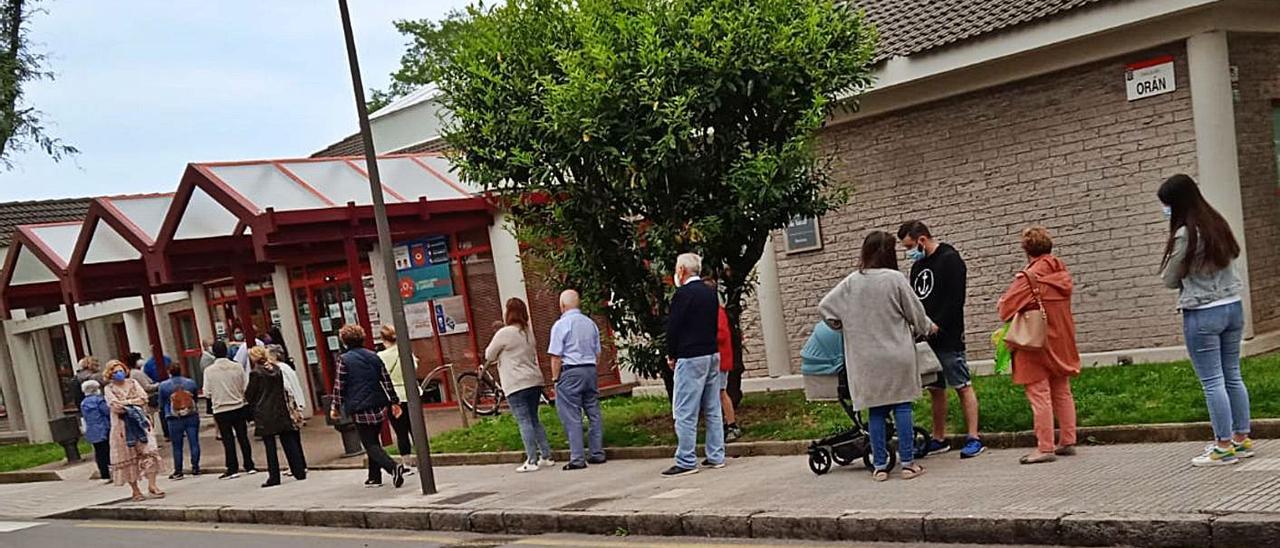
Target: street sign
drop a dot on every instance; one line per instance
(1149, 78)
(803, 234)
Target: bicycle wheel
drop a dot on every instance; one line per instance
(479, 394)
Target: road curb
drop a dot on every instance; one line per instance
(1034, 528)
(1092, 435)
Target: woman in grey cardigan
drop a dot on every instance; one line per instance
(513, 348)
(880, 317)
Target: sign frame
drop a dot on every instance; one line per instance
(1160, 69)
(817, 236)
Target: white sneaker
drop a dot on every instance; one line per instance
(546, 463)
(527, 467)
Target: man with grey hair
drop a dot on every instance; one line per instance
(574, 348)
(692, 326)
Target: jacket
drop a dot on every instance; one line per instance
(514, 350)
(362, 389)
(224, 384)
(97, 418)
(1060, 356)
(266, 396)
(724, 340)
(391, 360)
(691, 324)
(171, 385)
(940, 280)
(880, 318)
(1199, 287)
(135, 425)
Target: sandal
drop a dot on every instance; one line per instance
(139, 498)
(1037, 458)
(912, 471)
(880, 475)
(156, 494)
(1065, 451)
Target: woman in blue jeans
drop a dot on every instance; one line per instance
(514, 349)
(1199, 261)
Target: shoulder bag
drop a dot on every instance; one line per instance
(1030, 328)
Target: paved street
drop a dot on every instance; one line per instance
(195, 535)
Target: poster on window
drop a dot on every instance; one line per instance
(371, 301)
(451, 316)
(308, 335)
(418, 317)
(422, 269)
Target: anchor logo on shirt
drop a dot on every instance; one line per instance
(924, 284)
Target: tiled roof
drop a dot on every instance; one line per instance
(908, 27)
(13, 214)
(354, 146)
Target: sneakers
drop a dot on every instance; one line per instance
(251, 471)
(176, 476)
(527, 467)
(397, 477)
(546, 463)
(676, 471)
(372, 484)
(1216, 456)
(597, 460)
(712, 465)
(195, 472)
(972, 448)
(732, 433)
(229, 475)
(936, 447)
(270, 483)
(1244, 449)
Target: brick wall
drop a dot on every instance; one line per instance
(1256, 57)
(544, 310)
(1064, 150)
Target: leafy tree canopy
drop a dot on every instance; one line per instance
(21, 125)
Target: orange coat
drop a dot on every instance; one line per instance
(1059, 357)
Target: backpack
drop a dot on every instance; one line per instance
(182, 403)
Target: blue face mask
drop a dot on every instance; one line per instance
(118, 376)
(915, 254)
(1168, 211)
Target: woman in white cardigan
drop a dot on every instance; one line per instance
(514, 350)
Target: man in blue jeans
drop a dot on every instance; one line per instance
(574, 348)
(178, 408)
(692, 325)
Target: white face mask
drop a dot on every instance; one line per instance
(1168, 211)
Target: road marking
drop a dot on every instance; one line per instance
(674, 493)
(439, 539)
(11, 526)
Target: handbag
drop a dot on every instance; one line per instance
(1030, 328)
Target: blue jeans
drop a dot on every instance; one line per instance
(1213, 340)
(187, 427)
(576, 393)
(524, 405)
(880, 440)
(697, 388)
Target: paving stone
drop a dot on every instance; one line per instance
(486, 521)
(326, 517)
(279, 516)
(398, 518)
(593, 523)
(881, 526)
(795, 526)
(202, 514)
(1245, 530)
(450, 519)
(718, 525)
(656, 525)
(530, 522)
(992, 528)
(236, 515)
(1136, 530)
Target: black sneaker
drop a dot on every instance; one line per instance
(732, 433)
(597, 460)
(195, 472)
(397, 477)
(229, 475)
(676, 471)
(176, 476)
(575, 466)
(372, 483)
(270, 483)
(712, 465)
(251, 471)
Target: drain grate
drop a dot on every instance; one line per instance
(465, 497)
(586, 504)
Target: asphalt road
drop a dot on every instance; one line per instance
(103, 534)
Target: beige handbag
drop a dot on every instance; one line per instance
(1030, 328)
(927, 364)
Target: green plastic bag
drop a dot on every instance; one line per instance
(1004, 357)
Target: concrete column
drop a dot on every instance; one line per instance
(204, 319)
(777, 348)
(35, 417)
(1213, 114)
(380, 295)
(506, 260)
(289, 328)
(9, 386)
(99, 337)
(71, 346)
(135, 329)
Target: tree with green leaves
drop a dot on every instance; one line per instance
(624, 132)
(21, 125)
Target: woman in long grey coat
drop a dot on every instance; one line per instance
(880, 318)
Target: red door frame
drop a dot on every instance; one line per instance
(184, 353)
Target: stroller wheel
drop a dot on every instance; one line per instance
(820, 461)
(921, 440)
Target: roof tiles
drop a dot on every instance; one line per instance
(13, 214)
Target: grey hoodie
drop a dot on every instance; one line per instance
(1198, 288)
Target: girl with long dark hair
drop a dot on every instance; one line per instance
(514, 349)
(1199, 261)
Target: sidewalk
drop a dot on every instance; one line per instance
(1143, 494)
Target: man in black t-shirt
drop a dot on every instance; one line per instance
(939, 279)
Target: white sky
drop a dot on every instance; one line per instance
(146, 86)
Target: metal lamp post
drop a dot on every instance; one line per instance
(416, 419)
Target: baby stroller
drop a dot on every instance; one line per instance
(822, 363)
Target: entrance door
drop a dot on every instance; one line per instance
(322, 311)
(187, 336)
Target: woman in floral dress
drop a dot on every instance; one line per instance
(130, 464)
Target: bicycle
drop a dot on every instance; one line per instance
(479, 390)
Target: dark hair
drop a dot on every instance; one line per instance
(1036, 241)
(1210, 243)
(915, 229)
(219, 349)
(878, 251)
(352, 335)
(175, 370)
(133, 360)
(517, 313)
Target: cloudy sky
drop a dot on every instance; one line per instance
(146, 86)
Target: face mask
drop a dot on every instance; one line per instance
(915, 254)
(239, 336)
(1168, 211)
(118, 376)
(141, 363)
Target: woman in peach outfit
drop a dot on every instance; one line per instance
(1046, 373)
(141, 460)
